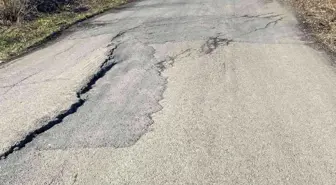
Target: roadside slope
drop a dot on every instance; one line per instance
(41, 24)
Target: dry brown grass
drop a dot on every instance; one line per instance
(320, 17)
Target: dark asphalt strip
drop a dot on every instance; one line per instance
(104, 68)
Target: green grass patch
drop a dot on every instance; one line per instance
(16, 39)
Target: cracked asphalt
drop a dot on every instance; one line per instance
(172, 92)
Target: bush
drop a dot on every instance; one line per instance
(16, 11)
(13, 11)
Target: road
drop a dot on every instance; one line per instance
(172, 92)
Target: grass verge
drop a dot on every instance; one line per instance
(17, 39)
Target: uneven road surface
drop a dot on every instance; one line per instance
(172, 92)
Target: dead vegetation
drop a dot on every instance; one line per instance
(12, 11)
(319, 16)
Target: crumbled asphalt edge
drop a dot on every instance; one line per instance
(212, 43)
(104, 68)
(169, 61)
(160, 67)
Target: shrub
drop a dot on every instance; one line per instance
(13, 11)
(16, 11)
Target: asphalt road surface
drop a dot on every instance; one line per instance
(172, 92)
